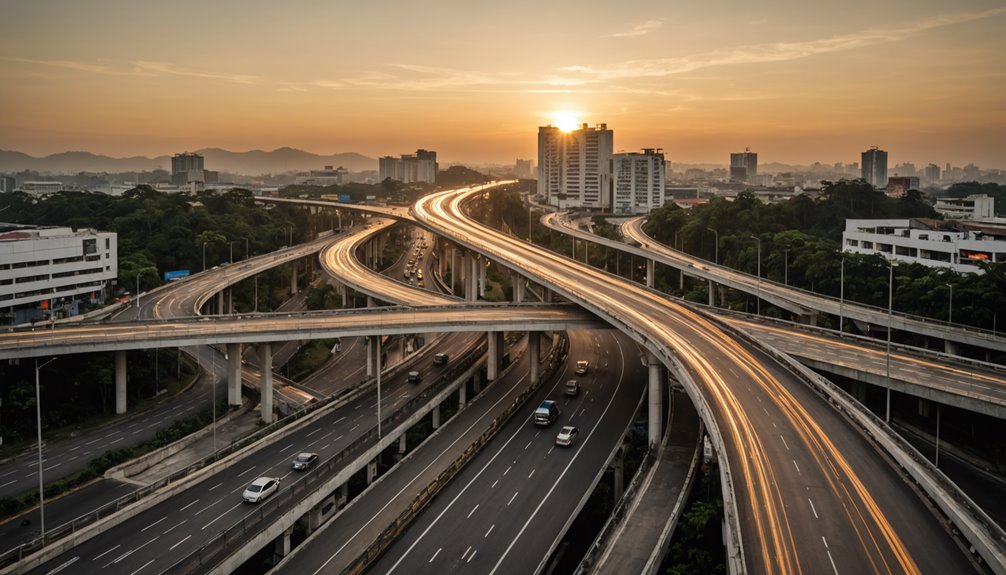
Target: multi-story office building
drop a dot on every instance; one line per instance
(328, 177)
(875, 167)
(410, 168)
(45, 271)
(186, 167)
(574, 168)
(974, 207)
(923, 242)
(7, 184)
(898, 186)
(522, 169)
(931, 175)
(743, 166)
(41, 188)
(638, 180)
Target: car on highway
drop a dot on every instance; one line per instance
(260, 489)
(440, 359)
(304, 460)
(547, 413)
(582, 366)
(567, 436)
(572, 388)
(413, 377)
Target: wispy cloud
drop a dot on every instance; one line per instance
(771, 52)
(640, 29)
(142, 68)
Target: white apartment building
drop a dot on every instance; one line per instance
(974, 207)
(920, 241)
(410, 168)
(638, 179)
(574, 168)
(41, 188)
(328, 177)
(46, 270)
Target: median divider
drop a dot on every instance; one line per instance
(428, 493)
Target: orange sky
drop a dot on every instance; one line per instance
(795, 81)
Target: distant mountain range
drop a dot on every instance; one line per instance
(251, 163)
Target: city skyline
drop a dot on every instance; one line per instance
(921, 80)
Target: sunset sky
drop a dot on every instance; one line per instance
(795, 80)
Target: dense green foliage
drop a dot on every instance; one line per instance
(800, 245)
(697, 546)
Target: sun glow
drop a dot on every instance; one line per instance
(566, 121)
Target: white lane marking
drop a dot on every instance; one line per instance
(507, 471)
(154, 523)
(75, 448)
(537, 434)
(172, 548)
(512, 498)
(465, 554)
(63, 566)
(835, 569)
(285, 448)
(812, 508)
(141, 568)
(52, 467)
(247, 470)
(784, 442)
(115, 441)
(528, 444)
(208, 506)
(221, 515)
(493, 486)
(491, 527)
(326, 435)
(173, 528)
(217, 485)
(471, 512)
(472, 556)
(354, 427)
(8, 483)
(435, 554)
(797, 466)
(324, 447)
(107, 552)
(825, 542)
(313, 432)
(189, 505)
(530, 474)
(549, 452)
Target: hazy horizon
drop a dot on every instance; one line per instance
(921, 79)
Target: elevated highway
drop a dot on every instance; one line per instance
(776, 437)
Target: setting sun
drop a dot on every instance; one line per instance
(566, 121)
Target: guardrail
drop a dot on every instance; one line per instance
(216, 548)
(391, 533)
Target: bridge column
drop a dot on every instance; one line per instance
(712, 294)
(265, 387)
(436, 416)
(233, 374)
(371, 355)
(495, 355)
(454, 269)
(473, 277)
(293, 278)
(477, 381)
(650, 268)
(120, 382)
(402, 444)
(534, 355)
(371, 471)
(282, 545)
(343, 497)
(618, 465)
(221, 307)
(656, 398)
(950, 347)
(481, 262)
(462, 395)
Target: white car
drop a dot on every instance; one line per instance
(567, 436)
(582, 366)
(260, 489)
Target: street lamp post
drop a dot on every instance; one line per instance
(717, 252)
(950, 306)
(758, 301)
(38, 418)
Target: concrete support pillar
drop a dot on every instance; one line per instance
(120, 382)
(656, 398)
(343, 496)
(371, 471)
(402, 444)
(950, 347)
(462, 395)
(221, 307)
(436, 416)
(371, 355)
(534, 355)
(482, 276)
(454, 269)
(282, 545)
(681, 281)
(618, 466)
(650, 269)
(293, 278)
(477, 382)
(371, 302)
(712, 294)
(495, 355)
(233, 374)
(265, 388)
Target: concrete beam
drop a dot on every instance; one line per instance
(265, 353)
(650, 269)
(655, 394)
(495, 358)
(120, 382)
(534, 355)
(233, 374)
